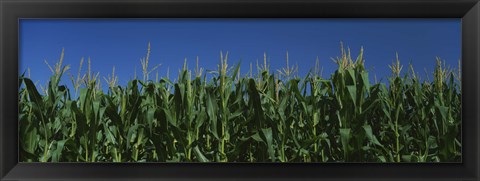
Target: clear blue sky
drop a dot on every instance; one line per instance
(123, 42)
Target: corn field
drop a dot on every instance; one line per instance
(263, 116)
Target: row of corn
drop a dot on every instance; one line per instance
(262, 117)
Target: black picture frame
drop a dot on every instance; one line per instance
(12, 10)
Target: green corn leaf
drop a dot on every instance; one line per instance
(372, 138)
(199, 155)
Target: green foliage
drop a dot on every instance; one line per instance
(268, 118)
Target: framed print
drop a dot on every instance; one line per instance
(239, 90)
